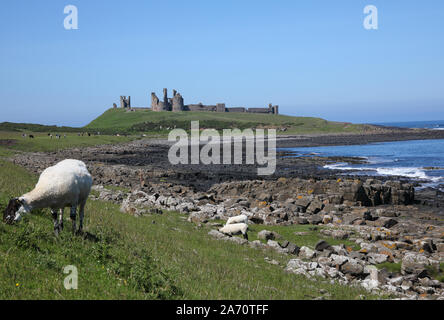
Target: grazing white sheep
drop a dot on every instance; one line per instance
(66, 184)
(234, 229)
(237, 219)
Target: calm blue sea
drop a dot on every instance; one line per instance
(435, 124)
(417, 159)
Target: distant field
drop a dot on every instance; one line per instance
(31, 127)
(150, 121)
(42, 142)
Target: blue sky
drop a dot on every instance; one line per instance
(312, 57)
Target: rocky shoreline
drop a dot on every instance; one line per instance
(389, 220)
(392, 234)
(384, 134)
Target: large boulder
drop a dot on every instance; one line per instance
(374, 192)
(416, 264)
(377, 194)
(303, 202)
(315, 207)
(352, 267)
(353, 191)
(338, 260)
(293, 248)
(216, 234)
(340, 234)
(197, 217)
(315, 219)
(306, 253)
(322, 245)
(401, 193)
(265, 197)
(273, 244)
(267, 235)
(385, 222)
(377, 258)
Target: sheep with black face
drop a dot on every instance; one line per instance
(9, 214)
(66, 184)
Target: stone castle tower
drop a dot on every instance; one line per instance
(125, 102)
(174, 104)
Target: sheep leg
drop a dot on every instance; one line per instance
(73, 215)
(81, 214)
(61, 218)
(245, 236)
(56, 224)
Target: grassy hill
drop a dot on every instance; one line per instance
(149, 121)
(123, 121)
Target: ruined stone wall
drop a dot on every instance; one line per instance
(259, 110)
(200, 107)
(271, 110)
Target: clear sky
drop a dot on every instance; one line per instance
(312, 57)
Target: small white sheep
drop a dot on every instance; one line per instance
(234, 229)
(66, 184)
(238, 219)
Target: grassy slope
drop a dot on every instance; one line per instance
(121, 121)
(23, 127)
(149, 257)
(119, 118)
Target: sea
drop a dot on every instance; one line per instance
(421, 160)
(434, 125)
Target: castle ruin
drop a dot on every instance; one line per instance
(176, 103)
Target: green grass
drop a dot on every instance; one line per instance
(396, 268)
(156, 124)
(390, 266)
(117, 188)
(42, 142)
(150, 257)
(302, 235)
(31, 127)
(438, 275)
(150, 121)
